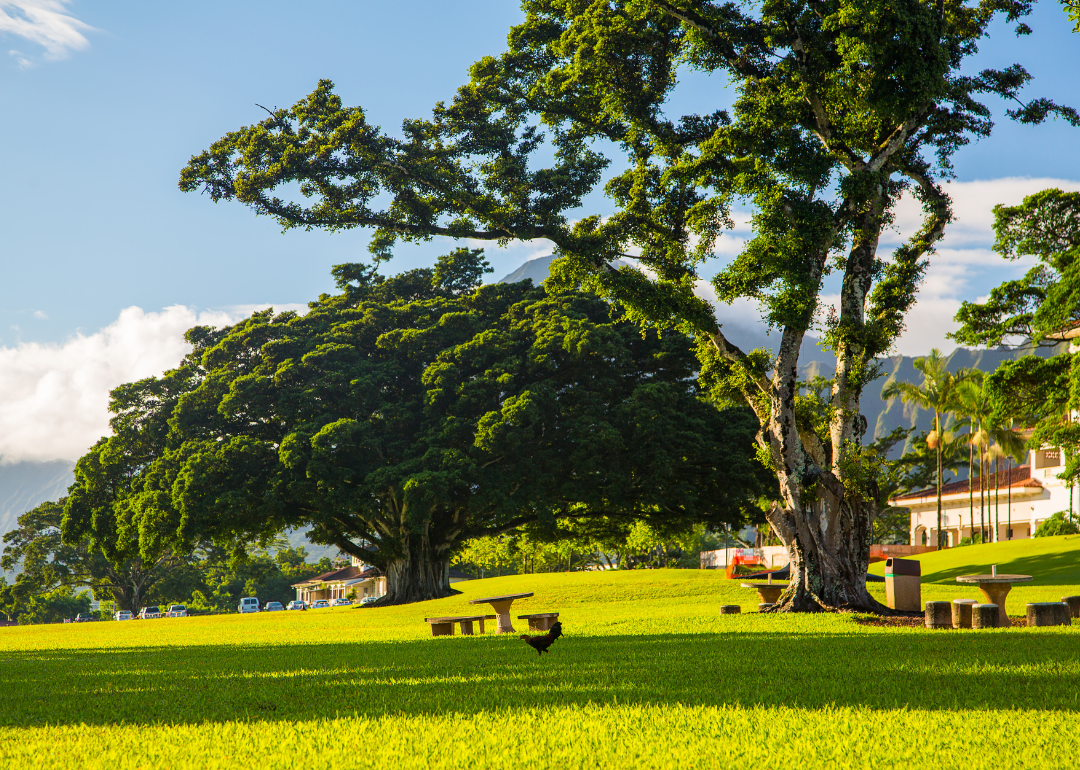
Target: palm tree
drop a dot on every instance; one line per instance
(937, 393)
(1008, 444)
(973, 402)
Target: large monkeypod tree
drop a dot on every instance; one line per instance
(408, 414)
(833, 109)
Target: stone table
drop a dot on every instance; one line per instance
(994, 589)
(501, 605)
(767, 592)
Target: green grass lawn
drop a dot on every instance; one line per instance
(648, 675)
(1052, 562)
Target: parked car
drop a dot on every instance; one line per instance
(149, 613)
(81, 618)
(341, 602)
(248, 604)
(124, 615)
(320, 604)
(177, 611)
(368, 600)
(296, 604)
(273, 607)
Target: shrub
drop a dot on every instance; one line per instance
(1057, 525)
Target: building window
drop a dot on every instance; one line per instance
(1048, 458)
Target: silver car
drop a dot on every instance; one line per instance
(177, 611)
(149, 613)
(273, 607)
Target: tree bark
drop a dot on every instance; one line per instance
(829, 550)
(418, 574)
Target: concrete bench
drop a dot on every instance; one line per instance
(1073, 603)
(730, 609)
(445, 626)
(540, 621)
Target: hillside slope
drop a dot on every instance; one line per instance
(24, 485)
(1051, 561)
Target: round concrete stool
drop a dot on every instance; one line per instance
(961, 613)
(730, 609)
(984, 616)
(1047, 613)
(938, 615)
(1073, 602)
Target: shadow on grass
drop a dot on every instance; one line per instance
(1047, 569)
(943, 670)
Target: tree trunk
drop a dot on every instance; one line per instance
(1008, 514)
(997, 501)
(971, 490)
(937, 453)
(125, 598)
(829, 548)
(418, 574)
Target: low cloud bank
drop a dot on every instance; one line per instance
(54, 398)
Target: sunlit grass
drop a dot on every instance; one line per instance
(648, 675)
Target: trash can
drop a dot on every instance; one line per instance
(903, 579)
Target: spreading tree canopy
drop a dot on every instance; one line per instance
(44, 562)
(1042, 307)
(837, 107)
(405, 415)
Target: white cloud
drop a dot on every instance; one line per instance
(54, 398)
(973, 204)
(41, 314)
(963, 266)
(46, 23)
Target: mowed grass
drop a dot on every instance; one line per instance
(1052, 562)
(648, 675)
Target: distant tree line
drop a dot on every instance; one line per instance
(53, 577)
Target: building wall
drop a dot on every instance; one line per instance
(1030, 507)
(776, 556)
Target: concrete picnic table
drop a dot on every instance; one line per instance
(767, 592)
(501, 605)
(994, 589)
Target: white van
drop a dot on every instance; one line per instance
(248, 604)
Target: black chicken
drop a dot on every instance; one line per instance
(541, 643)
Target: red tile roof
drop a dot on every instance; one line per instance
(345, 573)
(1014, 477)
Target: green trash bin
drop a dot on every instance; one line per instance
(903, 584)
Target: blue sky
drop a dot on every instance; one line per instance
(93, 143)
(102, 104)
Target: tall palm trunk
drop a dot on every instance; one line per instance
(971, 488)
(1008, 514)
(937, 425)
(982, 512)
(997, 501)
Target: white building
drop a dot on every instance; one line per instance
(359, 578)
(1035, 491)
